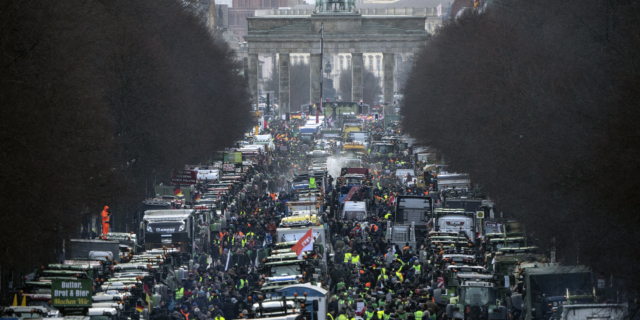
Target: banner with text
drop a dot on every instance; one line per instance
(184, 177)
(71, 293)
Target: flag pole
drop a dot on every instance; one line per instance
(321, 68)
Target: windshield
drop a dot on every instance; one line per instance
(352, 163)
(557, 284)
(385, 149)
(477, 296)
(352, 181)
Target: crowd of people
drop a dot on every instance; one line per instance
(367, 276)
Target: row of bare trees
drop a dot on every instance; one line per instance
(539, 101)
(100, 99)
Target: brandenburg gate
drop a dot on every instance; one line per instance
(345, 31)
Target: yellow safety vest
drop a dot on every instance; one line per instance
(329, 314)
(180, 293)
(400, 276)
(417, 269)
(418, 315)
(380, 314)
(347, 257)
(368, 315)
(355, 259)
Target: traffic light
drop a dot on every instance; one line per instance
(376, 116)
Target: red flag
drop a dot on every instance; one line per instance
(392, 200)
(304, 244)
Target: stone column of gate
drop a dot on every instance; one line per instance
(285, 94)
(314, 77)
(357, 86)
(388, 64)
(253, 78)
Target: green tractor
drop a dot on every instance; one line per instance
(477, 298)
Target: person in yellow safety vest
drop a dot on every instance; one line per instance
(387, 216)
(418, 314)
(355, 259)
(330, 314)
(244, 242)
(241, 284)
(384, 277)
(400, 276)
(380, 314)
(179, 292)
(368, 314)
(219, 316)
(417, 267)
(342, 316)
(347, 257)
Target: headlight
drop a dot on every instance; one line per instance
(181, 228)
(149, 229)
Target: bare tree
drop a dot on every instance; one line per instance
(99, 98)
(545, 117)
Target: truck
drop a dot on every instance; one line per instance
(84, 249)
(537, 282)
(414, 209)
(455, 220)
(294, 234)
(167, 228)
(264, 139)
(362, 137)
(450, 180)
(402, 234)
(353, 149)
(348, 127)
(405, 176)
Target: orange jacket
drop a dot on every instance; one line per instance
(105, 214)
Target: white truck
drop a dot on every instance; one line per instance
(294, 234)
(164, 228)
(264, 139)
(455, 220)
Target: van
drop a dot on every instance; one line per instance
(401, 174)
(354, 210)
